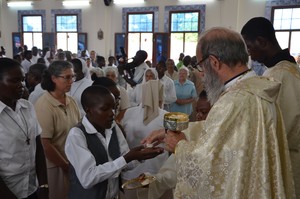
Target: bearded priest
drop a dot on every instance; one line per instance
(242, 150)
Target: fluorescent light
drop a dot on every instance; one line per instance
(76, 3)
(128, 1)
(19, 3)
(196, 1)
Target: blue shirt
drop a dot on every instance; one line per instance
(258, 68)
(184, 91)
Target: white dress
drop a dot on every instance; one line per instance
(135, 129)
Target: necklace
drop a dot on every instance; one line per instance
(25, 133)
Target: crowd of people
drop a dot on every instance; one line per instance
(75, 126)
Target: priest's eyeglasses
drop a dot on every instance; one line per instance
(200, 63)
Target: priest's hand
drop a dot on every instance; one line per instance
(155, 138)
(172, 138)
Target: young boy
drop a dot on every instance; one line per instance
(97, 149)
(23, 171)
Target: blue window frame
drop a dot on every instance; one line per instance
(66, 23)
(32, 28)
(186, 21)
(32, 23)
(140, 22)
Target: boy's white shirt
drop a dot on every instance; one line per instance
(84, 162)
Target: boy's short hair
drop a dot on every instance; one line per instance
(7, 64)
(90, 96)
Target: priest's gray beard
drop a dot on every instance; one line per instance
(212, 84)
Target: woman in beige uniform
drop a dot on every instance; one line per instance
(57, 113)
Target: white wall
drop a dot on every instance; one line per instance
(227, 13)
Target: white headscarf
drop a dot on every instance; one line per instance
(153, 70)
(152, 94)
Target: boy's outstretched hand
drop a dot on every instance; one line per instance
(142, 153)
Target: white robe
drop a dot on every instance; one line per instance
(135, 129)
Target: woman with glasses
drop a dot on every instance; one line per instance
(57, 113)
